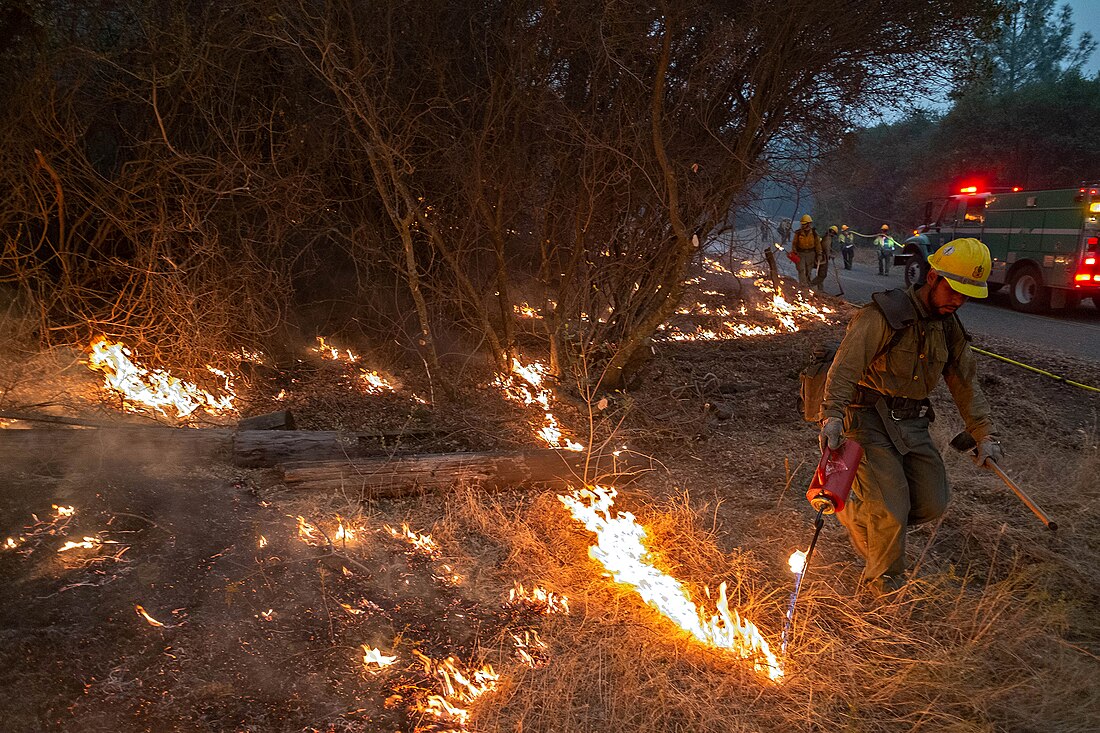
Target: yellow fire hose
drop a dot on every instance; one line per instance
(1055, 377)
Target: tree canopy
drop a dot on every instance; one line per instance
(224, 173)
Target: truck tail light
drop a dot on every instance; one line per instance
(1088, 272)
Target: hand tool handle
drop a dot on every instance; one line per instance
(1023, 497)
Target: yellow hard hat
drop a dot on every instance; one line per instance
(965, 264)
(833, 229)
(806, 219)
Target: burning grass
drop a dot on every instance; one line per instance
(491, 612)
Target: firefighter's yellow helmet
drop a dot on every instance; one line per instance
(833, 229)
(965, 264)
(806, 219)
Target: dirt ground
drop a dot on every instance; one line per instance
(1000, 631)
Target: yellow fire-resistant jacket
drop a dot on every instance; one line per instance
(804, 241)
(927, 349)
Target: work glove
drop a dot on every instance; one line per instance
(832, 434)
(989, 449)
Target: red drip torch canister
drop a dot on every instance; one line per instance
(834, 476)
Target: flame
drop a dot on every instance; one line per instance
(713, 265)
(459, 687)
(797, 562)
(87, 543)
(525, 385)
(530, 648)
(343, 534)
(523, 310)
(546, 601)
(11, 543)
(152, 621)
(308, 533)
(375, 382)
(155, 388)
(263, 542)
(331, 352)
(422, 542)
(64, 511)
(375, 657)
(620, 548)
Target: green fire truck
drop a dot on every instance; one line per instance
(1043, 243)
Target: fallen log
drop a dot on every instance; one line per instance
(280, 420)
(244, 448)
(402, 475)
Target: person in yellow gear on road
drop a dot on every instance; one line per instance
(847, 246)
(884, 243)
(893, 355)
(807, 245)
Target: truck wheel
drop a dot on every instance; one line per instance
(1027, 292)
(916, 270)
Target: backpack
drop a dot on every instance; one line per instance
(899, 313)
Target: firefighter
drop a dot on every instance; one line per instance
(892, 356)
(884, 243)
(807, 245)
(847, 243)
(828, 245)
(784, 231)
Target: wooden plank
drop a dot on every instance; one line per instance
(403, 475)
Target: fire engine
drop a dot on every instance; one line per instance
(1043, 243)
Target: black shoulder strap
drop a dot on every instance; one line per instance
(898, 310)
(897, 307)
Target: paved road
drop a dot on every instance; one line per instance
(1076, 333)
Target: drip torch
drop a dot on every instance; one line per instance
(828, 492)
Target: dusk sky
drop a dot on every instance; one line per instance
(1086, 17)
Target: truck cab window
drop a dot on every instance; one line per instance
(973, 211)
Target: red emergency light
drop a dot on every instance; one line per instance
(1015, 189)
(968, 189)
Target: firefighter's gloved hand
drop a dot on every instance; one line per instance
(832, 434)
(989, 448)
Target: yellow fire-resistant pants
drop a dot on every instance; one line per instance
(891, 491)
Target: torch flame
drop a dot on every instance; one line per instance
(620, 548)
(797, 562)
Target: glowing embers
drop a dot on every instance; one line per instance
(620, 548)
(36, 533)
(156, 388)
(537, 599)
(525, 385)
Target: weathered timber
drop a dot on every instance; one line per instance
(245, 448)
(280, 420)
(402, 475)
